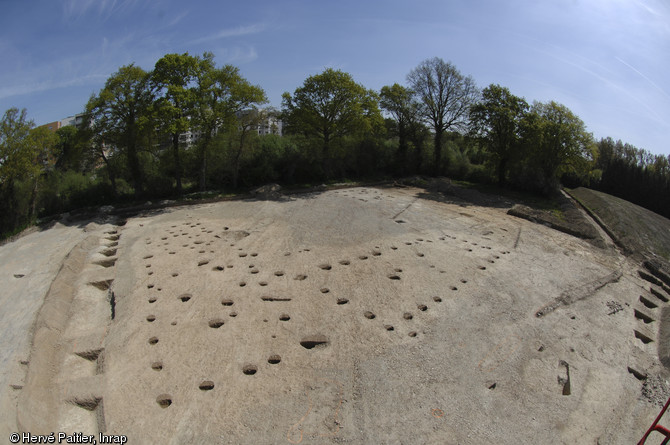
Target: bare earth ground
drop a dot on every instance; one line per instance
(363, 315)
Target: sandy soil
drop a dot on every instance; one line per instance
(363, 315)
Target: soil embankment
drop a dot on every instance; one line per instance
(638, 230)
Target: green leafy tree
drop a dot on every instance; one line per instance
(606, 152)
(68, 152)
(661, 166)
(557, 142)
(247, 121)
(15, 159)
(118, 119)
(40, 149)
(226, 102)
(446, 96)
(73, 150)
(174, 80)
(400, 103)
(25, 154)
(496, 118)
(330, 106)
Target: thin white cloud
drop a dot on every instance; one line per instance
(606, 74)
(177, 19)
(73, 10)
(648, 8)
(619, 87)
(586, 64)
(651, 82)
(231, 32)
(92, 67)
(238, 55)
(36, 87)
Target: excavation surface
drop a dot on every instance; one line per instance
(363, 315)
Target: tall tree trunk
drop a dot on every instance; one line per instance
(326, 164)
(11, 214)
(33, 199)
(6, 205)
(177, 162)
(502, 170)
(401, 157)
(238, 156)
(133, 158)
(135, 169)
(203, 160)
(418, 143)
(203, 169)
(437, 168)
(110, 172)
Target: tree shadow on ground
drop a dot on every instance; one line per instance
(444, 191)
(475, 199)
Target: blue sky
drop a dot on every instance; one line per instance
(607, 60)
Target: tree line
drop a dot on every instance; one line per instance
(132, 144)
(633, 174)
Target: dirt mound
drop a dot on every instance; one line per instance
(571, 222)
(268, 191)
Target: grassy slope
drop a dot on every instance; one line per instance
(637, 229)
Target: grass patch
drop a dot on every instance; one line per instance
(639, 230)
